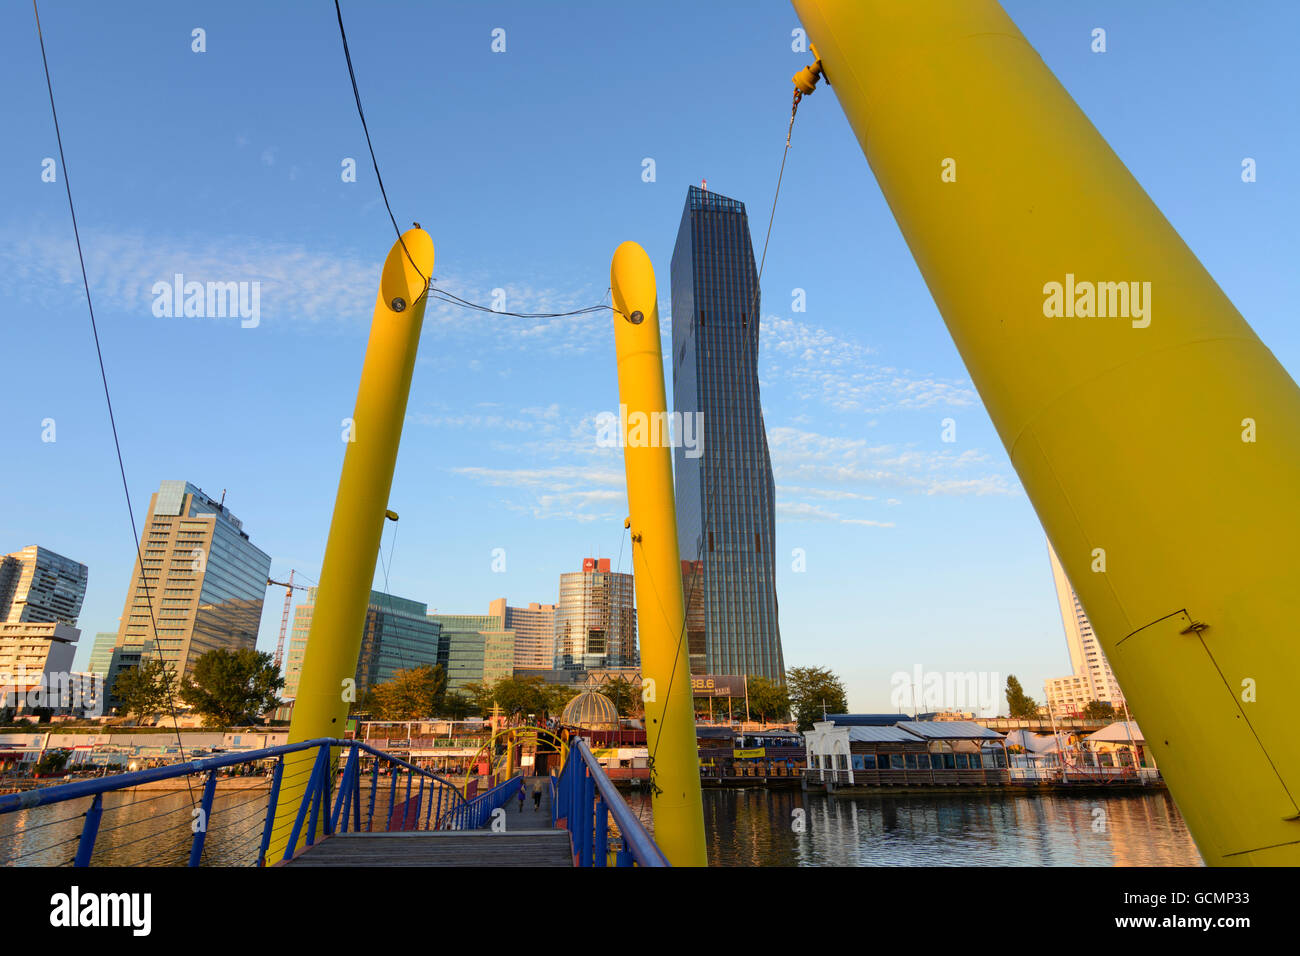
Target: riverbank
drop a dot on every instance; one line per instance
(224, 784)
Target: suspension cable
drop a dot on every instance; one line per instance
(103, 375)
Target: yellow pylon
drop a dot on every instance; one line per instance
(1160, 446)
(325, 686)
(656, 562)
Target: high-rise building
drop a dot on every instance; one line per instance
(1092, 678)
(595, 620)
(40, 597)
(202, 583)
(38, 585)
(726, 497)
(101, 653)
(397, 635)
(475, 648)
(534, 628)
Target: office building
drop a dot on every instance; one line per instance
(475, 648)
(595, 619)
(198, 583)
(534, 628)
(726, 498)
(101, 653)
(40, 598)
(38, 585)
(125, 657)
(1092, 678)
(397, 635)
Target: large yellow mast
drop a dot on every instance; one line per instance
(1160, 446)
(325, 686)
(656, 562)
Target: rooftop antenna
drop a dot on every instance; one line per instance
(704, 184)
(223, 497)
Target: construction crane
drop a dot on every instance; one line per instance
(289, 588)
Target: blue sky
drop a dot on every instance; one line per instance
(526, 168)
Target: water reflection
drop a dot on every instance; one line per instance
(750, 827)
(138, 828)
(754, 828)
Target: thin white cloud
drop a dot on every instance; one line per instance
(817, 365)
(804, 511)
(568, 493)
(299, 284)
(810, 458)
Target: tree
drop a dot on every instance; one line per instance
(525, 695)
(456, 706)
(624, 695)
(480, 697)
(814, 691)
(768, 699)
(1099, 710)
(146, 690)
(411, 694)
(557, 695)
(1021, 705)
(229, 688)
(52, 762)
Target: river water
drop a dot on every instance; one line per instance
(751, 827)
(756, 827)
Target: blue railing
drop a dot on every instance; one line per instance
(475, 814)
(329, 804)
(586, 803)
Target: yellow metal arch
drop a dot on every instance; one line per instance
(517, 735)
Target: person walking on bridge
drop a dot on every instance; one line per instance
(537, 795)
(521, 796)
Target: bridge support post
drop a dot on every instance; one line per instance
(656, 561)
(325, 686)
(1125, 386)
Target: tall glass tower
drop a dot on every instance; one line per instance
(198, 584)
(726, 500)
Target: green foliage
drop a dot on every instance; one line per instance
(768, 701)
(814, 691)
(523, 694)
(624, 695)
(411, 695)
(480, 697)
(52, 761)
(557, 695)
(229, 688)
(146, 690)
(1021, 705)
(1099, 710)
(456, 706)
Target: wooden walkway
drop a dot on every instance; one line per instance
(441, 848)
(528, 840)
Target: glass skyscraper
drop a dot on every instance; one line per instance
(475, 648)
(595, 619)
(199, 582)
(726, 499)
(397, 635)
(40, 598)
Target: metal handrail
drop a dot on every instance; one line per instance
(585, 798)
(474, 814)
(337, 815)
(44, 796)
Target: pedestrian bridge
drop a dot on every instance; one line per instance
(359, 807)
